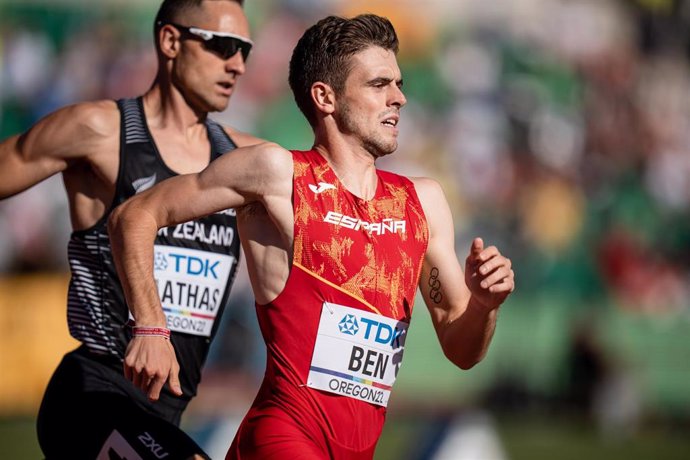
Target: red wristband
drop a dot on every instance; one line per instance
(141, 331)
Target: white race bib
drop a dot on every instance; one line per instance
(191, 284)
(357, 353)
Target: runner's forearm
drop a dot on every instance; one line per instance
(132, 233)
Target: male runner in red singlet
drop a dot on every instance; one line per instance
(335, 251)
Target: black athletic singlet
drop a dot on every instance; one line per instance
(194, 263)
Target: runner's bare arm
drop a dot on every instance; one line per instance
(53, 143)
(239, 177)
(463, 307)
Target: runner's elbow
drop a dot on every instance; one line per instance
(464, 361)
(122, 217)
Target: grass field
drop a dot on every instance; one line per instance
(405, 439)
(544, 441)
(18, 439)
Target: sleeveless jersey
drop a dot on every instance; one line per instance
(335, 335)
(194, 262)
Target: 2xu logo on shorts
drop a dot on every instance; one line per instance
(116, 447)
(157, 450)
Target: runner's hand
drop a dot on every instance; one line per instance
(149, 362)
(488, 275)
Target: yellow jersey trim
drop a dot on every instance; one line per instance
(335, 286)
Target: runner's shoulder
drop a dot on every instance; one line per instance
(76, 131)
(427, 186)
(240, 138)
(274, 157)
(94, 119)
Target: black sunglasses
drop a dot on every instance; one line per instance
(224, 44)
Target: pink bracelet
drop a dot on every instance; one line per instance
(140, 331)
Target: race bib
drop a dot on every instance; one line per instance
(357, 353)
(191, 284)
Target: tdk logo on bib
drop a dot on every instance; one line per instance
(348, 325)
(195, 266)
(372, 330)
(160, 262)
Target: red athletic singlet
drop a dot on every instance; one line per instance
(336, 333)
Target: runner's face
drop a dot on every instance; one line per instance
(205, 78)
(368, 110)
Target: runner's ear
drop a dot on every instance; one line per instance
(169, 41)
(324, 97)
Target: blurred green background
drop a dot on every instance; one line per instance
(560, 131)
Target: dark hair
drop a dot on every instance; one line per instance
(323, 54)
(172, 10)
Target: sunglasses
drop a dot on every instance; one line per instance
(223, 44)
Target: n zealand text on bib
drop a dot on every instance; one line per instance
(191, 285)
(357, 353)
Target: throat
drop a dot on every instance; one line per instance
(364, 190)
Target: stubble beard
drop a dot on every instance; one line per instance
(373, 143)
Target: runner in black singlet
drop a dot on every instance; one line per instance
(107, 151)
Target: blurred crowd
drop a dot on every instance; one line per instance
(559, 129)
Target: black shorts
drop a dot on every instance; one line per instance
(86, 414)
